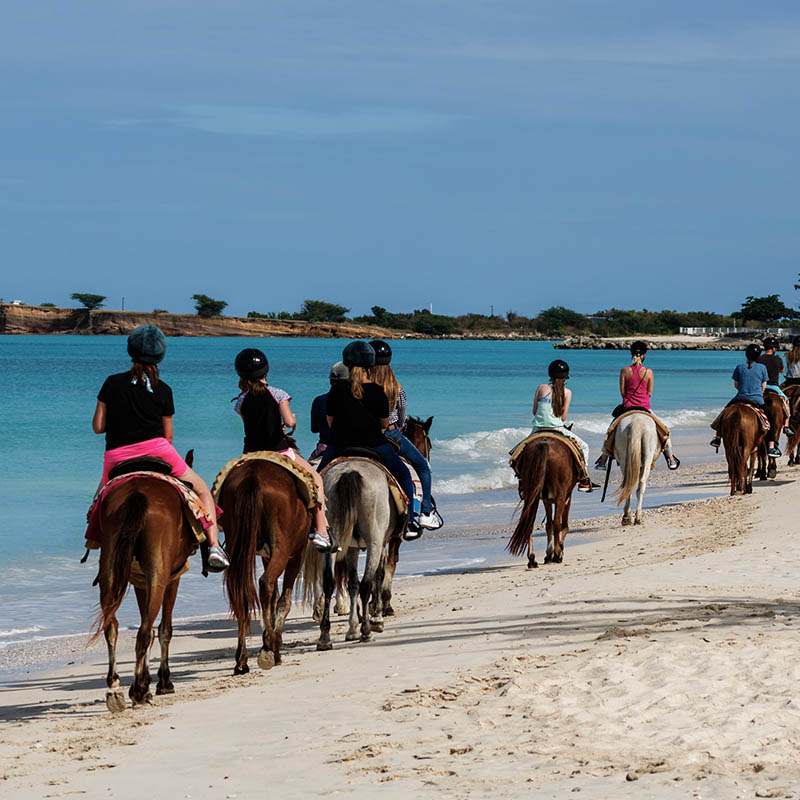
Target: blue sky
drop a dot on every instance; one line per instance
(461, 154)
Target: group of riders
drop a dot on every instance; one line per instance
(364, 408)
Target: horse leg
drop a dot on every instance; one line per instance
(150, 601)
(285, 603)
(626, 513)
(558, 531)
(324, 641)
(564, 522)
(641, 489)
(268, 588)
(340, 608)
(548, 510)
(115, 700)
(374, 556)
(164, 685)
(351, 559)
(392, 557)
(376, 607)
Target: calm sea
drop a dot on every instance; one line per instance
(479, 394)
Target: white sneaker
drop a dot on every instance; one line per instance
(430, 521)
(217, 559)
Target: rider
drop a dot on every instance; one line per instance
(750, 379)
(358, 412)
(134, 410)
(774, 365)
(636, 389)
(265, 412)
(550, 407)
(384, 376)
(319, 423)
(793, 364)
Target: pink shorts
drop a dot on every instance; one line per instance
(158, 447)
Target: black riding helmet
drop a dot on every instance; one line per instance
(558, 369)
(359, 354)
(796, 341)
(147, 344)
(251, 364)
(753, 352)
(771, 342)
(638, 348)
(383, 353)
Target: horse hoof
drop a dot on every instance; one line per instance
(772, 473)
(351, 637)
(115, 702)
(324, 646)
(557, 559)
(316, 617)
(388, 611)
(532, 563)
(237, 670)
(168, 689)
(366, 637)
(341, 611)
(376, 625)
(144, 701)
(626, 521)
(637, 522)
(266, 660)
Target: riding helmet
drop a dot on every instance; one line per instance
(558, 369)
(339, 372)
(358, 354)
(771, 342)
(251, 364)
(796, 341)
(638, 348)
(147, 344)
(753, 352)
(383, 353)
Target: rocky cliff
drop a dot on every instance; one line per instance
(40, 320)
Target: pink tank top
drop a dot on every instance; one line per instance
(636, 388)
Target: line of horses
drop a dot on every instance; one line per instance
(264, 517)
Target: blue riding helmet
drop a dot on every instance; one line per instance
(147, 344)
(359, 354)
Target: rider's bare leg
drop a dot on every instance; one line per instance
(199, 485)
(319, 519)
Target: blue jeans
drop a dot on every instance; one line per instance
(418, 461)
(391, 461)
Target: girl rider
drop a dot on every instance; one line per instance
(134, 410)
(550, 406)
(793, 364)
(636, 388)
(358, 412)
(384, 376)
(265, 413)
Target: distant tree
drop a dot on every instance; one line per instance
(207, 306)
(91, 301)
(160, 311)
(259, 315)
(320, 311)
(47, 305)
(767, 309)
(433, 324)
(555, 319)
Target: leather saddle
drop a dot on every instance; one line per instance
(359, 452)
(142, 464)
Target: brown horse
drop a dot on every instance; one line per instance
(742, 437)
(142, 518)
(773, 405)
(265, 514)
(547, 472)
(793, 445)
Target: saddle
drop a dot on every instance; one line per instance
(575, 451)
(396, 492)
(141, 464)
(762, 417)
(661, 430)
(303, 479)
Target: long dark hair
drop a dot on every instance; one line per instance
(255, 388)
(559, 398)
(142, 373)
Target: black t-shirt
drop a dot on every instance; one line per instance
(134, 412)
(262, 423)
(319, 422)
(774, 365)
(355, 422)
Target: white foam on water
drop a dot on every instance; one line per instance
(18, 631)
(682, 417)
(482, 445)
(488, 480)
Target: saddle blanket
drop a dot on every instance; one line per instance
(396, 492)
(762, 418)
(661, 429)
(303, 479)
(574, 449)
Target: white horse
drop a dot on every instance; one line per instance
(636, 446)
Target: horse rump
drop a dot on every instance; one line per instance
(531, 468)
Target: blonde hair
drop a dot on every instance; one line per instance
(793, 355)
(638, 359)
(356, 381)
(384, 376)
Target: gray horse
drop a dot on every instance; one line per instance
(362, 515)
(636, 447)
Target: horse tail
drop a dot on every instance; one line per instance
(243, 529)
(532, 466)
(345, 499)
(633, 465)
(119, 559)
(310, 575)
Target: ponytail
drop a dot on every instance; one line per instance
(558, 396)
(356, 381)
(142, 374)
(255, 388)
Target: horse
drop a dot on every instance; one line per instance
(361, 514)
(793, 444)
(742, 437)
(142, 518)
(547, 471)
(636, 446)
(265, 514)
(767, 465)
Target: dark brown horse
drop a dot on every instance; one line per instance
(793, 445)
(742, 437)
(264, 513)
(773, 405)
(547, 471)
(142, 518)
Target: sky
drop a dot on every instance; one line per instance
(463, 155)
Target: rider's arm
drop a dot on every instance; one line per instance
(622, 382)
(567, 401)
(650, 381)
(99, 418)
(287, 415)
(536, 398)
(166, 424)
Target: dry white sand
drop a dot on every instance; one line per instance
(657, 661)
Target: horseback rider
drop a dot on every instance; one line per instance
(134, 410)
(358, 413)
(750, 380)
(636, 388)
(550, 407)
(384, 376)
(774, 365)
(793, 364)
(319, 422)
(267, 419)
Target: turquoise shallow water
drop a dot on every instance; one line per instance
(478, 392)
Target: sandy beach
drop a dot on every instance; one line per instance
(657, 661)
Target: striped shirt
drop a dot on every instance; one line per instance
(397, 416)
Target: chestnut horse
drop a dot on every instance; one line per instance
(742, 437)
(792, 446)
(143, 517)
(768, 466)
(265, 514)
(547, 472)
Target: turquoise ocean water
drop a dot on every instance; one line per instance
(479, 394)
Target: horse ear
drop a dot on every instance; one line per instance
(189, 459)
(427, 424)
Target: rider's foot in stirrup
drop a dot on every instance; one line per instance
(413, 531)
(429, 520)
(323, 541)
(601, 462)
(789, 431)
(217, 559)
(585, 485)
(773, 452)
(715, 442)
